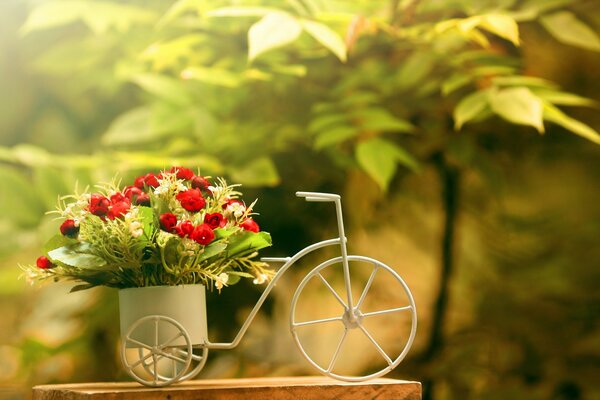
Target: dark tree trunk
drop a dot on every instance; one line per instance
(450, 187)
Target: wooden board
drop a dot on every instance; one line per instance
(297, 388)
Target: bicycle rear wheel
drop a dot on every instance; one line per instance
(377, 328)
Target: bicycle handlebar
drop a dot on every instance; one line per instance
(315, 196)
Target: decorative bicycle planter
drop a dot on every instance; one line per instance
(163, 329)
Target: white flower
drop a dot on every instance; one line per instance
(237, 209)
(260, 279)
(136, 229)
(221, 280)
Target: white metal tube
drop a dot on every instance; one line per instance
(266, 292)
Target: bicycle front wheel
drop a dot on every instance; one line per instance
(343, 341)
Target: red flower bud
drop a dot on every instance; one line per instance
(43, 263)
(119, 209)
(191, 200)
(132, 191)
(215, 220)
(199, 182)
(168, 222)
(184, 229)
(250, 225)
(139, 182)
(143, 200)
(151, 180)
(69, 228)
(203, 234)
(99, 205)
(183, 173)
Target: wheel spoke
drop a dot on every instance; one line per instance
(367, 287)
(141, 360)
(317, 321)
(143, 345)
(155, 368)
(156, 331)
(332, 290)
(184, 353)
(337, 351)
(162, 346)
(171, 356)
(377, 346)
(388, 311)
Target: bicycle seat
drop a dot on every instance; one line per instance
(316, 196)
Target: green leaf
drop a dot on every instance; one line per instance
(469, 108)
(327, 121)
(19, 201)
(50, 183)
(247, 242)
(555, 115)
(327, 37)
(414, 69)
(564, 98)
(519, 106)
(379, 119)
(57, 241)
(335, 135)
(164, 87)
(568, 29)
(99, 16)
(212, 76)
(131, 127)
(274, 30)
(455, 82)
(379, 158)
(521, 80)
(221, 233)
(76, 255)
(148, 220)
(212, 250)
(259, 172)
(501, 25)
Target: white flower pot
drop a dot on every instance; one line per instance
(186, 304)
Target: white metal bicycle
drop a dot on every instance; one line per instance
(159, 348)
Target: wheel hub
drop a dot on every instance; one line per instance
(352, 318)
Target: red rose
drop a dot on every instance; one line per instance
(119, 209)
(183, 173)
(151, 180)
(99, 205)
(43, 263)
(69, 228)
(250, 225)
(132, 191)
(184, 229)
(143, 200)
(199, 182)
(168, 222)
(191, 200)
(203, 234)
(215, 220)
(139, 182)
(118, 198)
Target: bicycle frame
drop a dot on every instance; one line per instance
(289, 261)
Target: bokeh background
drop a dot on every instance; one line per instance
(425, 115)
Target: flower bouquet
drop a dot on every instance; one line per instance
(161, 241)
(167, 229)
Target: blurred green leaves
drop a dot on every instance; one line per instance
(568, 29)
